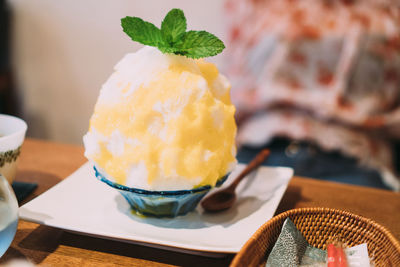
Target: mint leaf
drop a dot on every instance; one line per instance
(172, 38)
(173, 26)
(143, 32)
(167, 49)
(198, 44)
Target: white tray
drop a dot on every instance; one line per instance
(84, 205)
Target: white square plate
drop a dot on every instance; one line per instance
(84, 205)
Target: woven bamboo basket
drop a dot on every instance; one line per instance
(318, 225)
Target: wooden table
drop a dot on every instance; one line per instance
(48, 163)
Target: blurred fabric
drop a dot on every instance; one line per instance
(308, 160)
(324, 72)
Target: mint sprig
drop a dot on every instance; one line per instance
(173, 26)
(172, 37)
(143, 32)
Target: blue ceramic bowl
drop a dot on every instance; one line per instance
(160, 203)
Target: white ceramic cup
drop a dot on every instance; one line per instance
(12, 135)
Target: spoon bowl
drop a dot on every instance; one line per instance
(221, 201)
(225, 198)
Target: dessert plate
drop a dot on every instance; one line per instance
(84, 205)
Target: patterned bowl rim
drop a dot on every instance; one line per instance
(157, 193)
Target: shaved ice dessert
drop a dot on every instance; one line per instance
(163, 131)
(163, 122)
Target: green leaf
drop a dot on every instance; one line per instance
(143, 32)
(198, 44)
(167, 49)
(172, 38)
(173, 26)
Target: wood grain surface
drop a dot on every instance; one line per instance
(48, 163)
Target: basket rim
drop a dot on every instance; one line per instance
(287, 213)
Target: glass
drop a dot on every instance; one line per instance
(8, 215)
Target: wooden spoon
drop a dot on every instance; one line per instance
(224, 198)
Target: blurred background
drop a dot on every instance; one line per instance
(55, 55)
(316, 81)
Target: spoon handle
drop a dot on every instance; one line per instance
(251, 166)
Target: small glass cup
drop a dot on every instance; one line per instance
(12, 134)
(8, 215)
